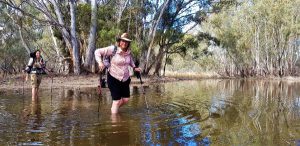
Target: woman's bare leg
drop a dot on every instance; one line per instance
(124, 101)
(33, 93)
(115, 106)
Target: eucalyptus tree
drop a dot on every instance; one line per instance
(76, 53)
(92, 37)
(259, 37)
(20, 22)
(44, 13)
(104, 22)
(147, 19)
(181, 48)
(155, 22)
(120, 6)
(177, 16)
(17, 35)
(140, 18)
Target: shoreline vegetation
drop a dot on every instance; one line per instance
(17, 82)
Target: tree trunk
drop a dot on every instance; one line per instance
(165, 65)
(129, 22)
(257, 52)
(92, 37)
(153, 33)
(121, 7)
(23, 41)
(76, 53)
(65, 33)
(159, 60)
(58, 53)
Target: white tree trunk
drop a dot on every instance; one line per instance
(23, 41)
(153, 32)
(92, 37)
(257, 51)
(121, 7)
(65, 33)
(54, 42)
(58, 53)
(76, 53)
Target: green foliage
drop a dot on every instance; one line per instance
(106, 18)
(106, 37)
(223, 5)
(192, 56)
(107, 30)
(135, 49)
(83, 18)
(188, 42)
(169, 61)
(13, 56)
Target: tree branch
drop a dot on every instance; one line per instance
(30, 15)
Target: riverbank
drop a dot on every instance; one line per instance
(16, 82)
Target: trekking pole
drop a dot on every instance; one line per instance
(99, 90)
(24, 78)
(51, 81)
(51, 74)
(51, 87)
(99, 83)
(138, 75)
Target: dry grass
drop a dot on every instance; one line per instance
(192, 75)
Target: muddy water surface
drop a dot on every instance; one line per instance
(206, 112)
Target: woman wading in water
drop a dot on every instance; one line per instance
(118, 77)
(36, 68)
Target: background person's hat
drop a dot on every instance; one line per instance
(124, 37)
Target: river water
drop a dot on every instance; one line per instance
(202, 112)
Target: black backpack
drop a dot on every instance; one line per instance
(29, 67)
(107, 59)
(32, 54)
(106, 62)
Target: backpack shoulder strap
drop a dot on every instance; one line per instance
(113, 53)
(115, 50)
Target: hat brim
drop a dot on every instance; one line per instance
(125, 39)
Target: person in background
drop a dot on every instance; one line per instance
(118, 76)
(35, 68)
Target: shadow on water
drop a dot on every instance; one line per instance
(206, 112)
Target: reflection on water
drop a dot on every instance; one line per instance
(207, 112)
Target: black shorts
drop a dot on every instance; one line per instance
(118, 89)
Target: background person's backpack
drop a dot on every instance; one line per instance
(29, 66)
(32, 54)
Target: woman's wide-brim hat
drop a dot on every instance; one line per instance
(124, 37)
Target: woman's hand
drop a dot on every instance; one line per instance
(101, 66)
(137, 69)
